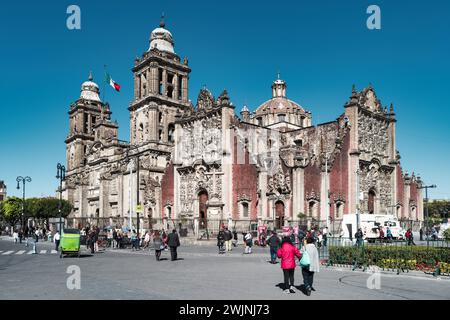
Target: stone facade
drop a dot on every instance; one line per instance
(2, 190)
(202, 163)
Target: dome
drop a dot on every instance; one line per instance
(279, 102)
(161, 39)
(90, 90)
(279, 105)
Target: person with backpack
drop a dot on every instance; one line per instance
(274, 244)
(287, 254)
(301, 237)
(310, 264)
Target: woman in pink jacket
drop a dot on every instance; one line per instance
(287, 254)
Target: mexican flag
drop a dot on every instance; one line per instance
(112, 83)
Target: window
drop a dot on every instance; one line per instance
(281, 117)
(180, 84)
(170, 91)
(160, 81)
(260, 122)
(245, 209)
(171, 132)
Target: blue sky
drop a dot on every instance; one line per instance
(320, 47)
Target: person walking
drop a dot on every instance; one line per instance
(96, 233)
(36, 240)
(301, 237)
(421, 234)
(220, 241)
(57, 239)
(146, 240)
(410, 237)
(115, 241)
(134, 241)
(173, 242)
(389, 235)
(20, 236)
(158, 245)
(287, 254)
(248, 239)
(325, 236)
(165, 239)
(15, 236)
(359, 238)
(91, 240)
(308, 269)
(228, 237)
(235, 238)
(274, 244)
(381, 234)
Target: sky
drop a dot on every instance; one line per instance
(320, 48)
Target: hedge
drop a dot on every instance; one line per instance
(410, 258)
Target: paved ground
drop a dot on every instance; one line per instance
(201, 274)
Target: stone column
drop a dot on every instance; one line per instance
(227, 159)
(407, 197)
(298, 191)
(184, 88)
(164, 80)
(263, 188)
(148, 76)
(153, 122)
(175, 90)
(137, 86)
(154, 77)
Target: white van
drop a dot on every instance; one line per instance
(369, 224)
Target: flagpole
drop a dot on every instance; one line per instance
(104, 82)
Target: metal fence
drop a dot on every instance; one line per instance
(395, 255)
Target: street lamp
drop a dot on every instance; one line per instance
(61, 175)
(133, 147)
(24, 181)
(426, 208)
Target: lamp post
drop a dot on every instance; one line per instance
(61, 175)
(132, 147)
(426, 209)
(24, 181)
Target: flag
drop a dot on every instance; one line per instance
(112, 83)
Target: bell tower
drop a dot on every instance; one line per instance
(84, 116)
(160, 90)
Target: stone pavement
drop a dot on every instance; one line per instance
(201, 273)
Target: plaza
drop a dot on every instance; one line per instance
(200, 274)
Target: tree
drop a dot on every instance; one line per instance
(45, 208)
(11, 210)
(439, 209)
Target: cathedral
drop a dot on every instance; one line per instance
(209, 164)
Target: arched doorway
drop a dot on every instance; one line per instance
(371, 202)
(202, 209)
(279, 214)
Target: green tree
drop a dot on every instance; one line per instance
(11, 210)
(439, 209)
(45, 208)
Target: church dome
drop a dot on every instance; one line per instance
(162, 39)
(279, 102)
(90, 90)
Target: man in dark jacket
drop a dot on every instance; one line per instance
(359, 238)
(220, 241)
(274, 243)
(227, 238)
(173, 242)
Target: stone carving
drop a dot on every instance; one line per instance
(279, 183)
(151, 185)
(377, 179)
(205, 100)
(373, 137)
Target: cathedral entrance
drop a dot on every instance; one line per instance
(202, 207)
(371, 202)
(279, 212)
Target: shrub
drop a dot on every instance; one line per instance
(411, 258)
